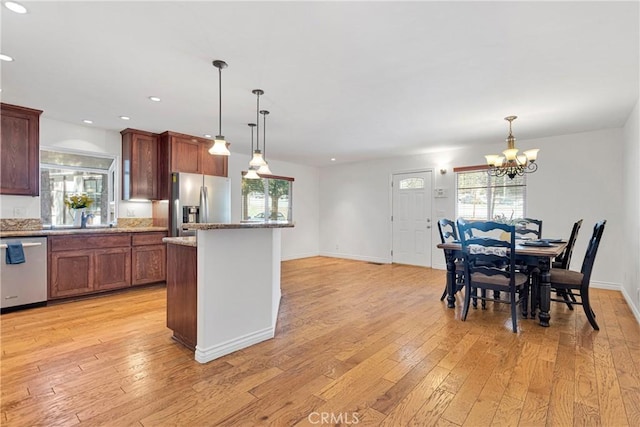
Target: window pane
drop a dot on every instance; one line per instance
(266, 199)
(481, 196)
(412, 183)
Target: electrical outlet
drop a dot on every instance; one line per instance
(131, 212)
(20, 212)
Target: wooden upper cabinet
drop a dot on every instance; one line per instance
(20, 150)
(212, 165)
(191, 154)
(144, 166)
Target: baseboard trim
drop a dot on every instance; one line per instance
(629, 300)
(606, 285)
(299, 256)
(356, 257)
(204, 355)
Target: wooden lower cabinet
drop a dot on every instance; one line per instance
(182, 293)
(149, 258)
(84, 264)
(112, 268)
(71, 273)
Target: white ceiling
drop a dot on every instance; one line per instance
(350, 80)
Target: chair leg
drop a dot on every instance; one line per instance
(568, 298)
(514, 316)
(524, 300)
(483, 294)
(444, 294)
(475, 299)
(586, 305)
(467, 300)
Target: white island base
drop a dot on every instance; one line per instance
(238, 288)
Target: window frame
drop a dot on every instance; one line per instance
(111, 174)
(267, 206)
(489, 191)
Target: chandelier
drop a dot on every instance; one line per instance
(512, 163)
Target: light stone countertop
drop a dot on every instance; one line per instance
(236, 225)
(69, 230)
(183, 241)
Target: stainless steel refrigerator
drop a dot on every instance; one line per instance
(199, 198)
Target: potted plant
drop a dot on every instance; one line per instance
(77, 203)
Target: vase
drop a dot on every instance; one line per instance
(77, 217)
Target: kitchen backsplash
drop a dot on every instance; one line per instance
(135, 222)
(20, 224)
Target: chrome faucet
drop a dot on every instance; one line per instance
(84, 218)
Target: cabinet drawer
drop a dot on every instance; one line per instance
(89, 241)
(141, 239)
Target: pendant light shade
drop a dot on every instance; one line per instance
(219, 147)
(251, 173)
(264, 169)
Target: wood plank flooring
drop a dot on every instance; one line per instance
(356, 343)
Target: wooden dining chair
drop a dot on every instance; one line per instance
(564, 259)
(448, 233)
(576, 284)
(529, 228)
(490, 265)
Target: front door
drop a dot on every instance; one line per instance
(411, 218)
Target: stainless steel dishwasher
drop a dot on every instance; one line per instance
(24, 285)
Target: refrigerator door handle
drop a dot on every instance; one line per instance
(204, 204)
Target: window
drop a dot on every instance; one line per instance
(267, 199)
(66, 173)
(481, 196)
(412, 183)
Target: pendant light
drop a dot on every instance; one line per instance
(257, 160)
(219, 147)
(251, 173)
(264, 169)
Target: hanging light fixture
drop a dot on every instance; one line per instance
(512, 163)
(257, 160)
(264, 169)
(251, 173)
(219, 147)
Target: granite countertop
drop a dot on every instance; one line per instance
(69, 230)
(183, 241)
(250, 224)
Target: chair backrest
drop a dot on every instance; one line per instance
(447, 229)
(529, 227)
(565, 258)
(592, 249)
(485, 252)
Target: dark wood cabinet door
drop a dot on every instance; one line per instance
(212, 165)
(112, 268)
(182, 293)
(71, 273)
(148, 264)
(19, 151)
(141, 177)
(185, 155)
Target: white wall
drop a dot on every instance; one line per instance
(579, 176)
(631, 216)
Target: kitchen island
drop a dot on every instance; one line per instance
(223, 286)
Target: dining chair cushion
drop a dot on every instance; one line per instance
(566, 277)
(498, 279)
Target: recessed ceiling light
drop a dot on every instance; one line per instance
(125, 117)
(206, 135)
(333, 159)
(154, 98)
(4, 57)
(89, 122)
(15, 7)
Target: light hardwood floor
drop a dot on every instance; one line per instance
(356, 342)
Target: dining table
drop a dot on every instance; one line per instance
(536, 258)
